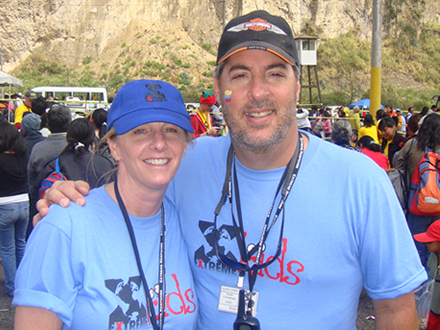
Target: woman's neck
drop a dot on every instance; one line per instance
(138, 203)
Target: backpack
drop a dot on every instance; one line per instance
(424, 195)
(401, 180)
(49, 181)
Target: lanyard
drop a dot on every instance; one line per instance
(162, 294)
(285, 185)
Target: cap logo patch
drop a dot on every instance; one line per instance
(257, 24)
(154, 95)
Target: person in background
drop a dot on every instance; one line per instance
(201, 121)
(99, 121)
(354, 119)
(59, 118)
(302, 119)
(100, 146)
(369, 129)
(401, 121)
(326, 126)
(424, 111)
(432, 240)
(369, 147)
(14, 201)
(428, 136)
(29, 97)
(391, 140)
(413, 126)
(76, 161)
(29, 129)
(341, 113)
(354, 138)
(341, 134)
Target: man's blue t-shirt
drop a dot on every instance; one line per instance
(343, 229)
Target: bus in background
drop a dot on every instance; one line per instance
(79, 99)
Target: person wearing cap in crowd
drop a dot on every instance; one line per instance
(59, 118)
(201, 120)
(432, 239)
(29, 97)
(306, 264)
(341, 134)
(30, 126)
(80, 270)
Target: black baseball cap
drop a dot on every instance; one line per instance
(258, 30)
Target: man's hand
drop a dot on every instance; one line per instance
(61, 193)
(396, 314)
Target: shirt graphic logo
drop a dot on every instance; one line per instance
(154, 95)
(205, 256)
(283, 269)
(130, 314)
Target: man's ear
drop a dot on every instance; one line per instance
(298, 91)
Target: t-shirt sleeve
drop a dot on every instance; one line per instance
(45, 278)
(389, 261)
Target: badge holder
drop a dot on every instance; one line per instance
(245, 320)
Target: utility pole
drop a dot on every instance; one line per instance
(376, 59)
(1, 61)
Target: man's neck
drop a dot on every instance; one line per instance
(277, 157)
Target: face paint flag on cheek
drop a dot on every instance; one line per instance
(228, 95)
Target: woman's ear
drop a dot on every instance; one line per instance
(114, 148)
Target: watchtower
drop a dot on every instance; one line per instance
(306, 46)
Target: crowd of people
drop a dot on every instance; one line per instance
(154, 246)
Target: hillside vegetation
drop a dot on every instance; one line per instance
(410, 59)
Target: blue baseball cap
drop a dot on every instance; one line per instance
(146, 101)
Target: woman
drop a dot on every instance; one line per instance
(391, 140)
(99, 120)
(341, 134)
(354, 119)
(76, 162)
(428, 136)
(120, 261)
(14, 201)
(369, 129)
(326, 126)
(370, 148)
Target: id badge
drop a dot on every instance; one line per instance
(228, 300)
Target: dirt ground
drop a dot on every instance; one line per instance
(364, 321)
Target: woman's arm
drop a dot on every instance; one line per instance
(36, 318)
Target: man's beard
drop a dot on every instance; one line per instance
(254, 143)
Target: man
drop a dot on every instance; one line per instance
(302, 119)
(410, 113)
(313, 261)
(201, 120)
(401, 121)
(29, 97)
(58, 120)
(30, 126)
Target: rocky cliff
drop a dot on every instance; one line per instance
(115, 36)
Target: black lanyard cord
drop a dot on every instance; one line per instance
(149, 302)
(286, 182)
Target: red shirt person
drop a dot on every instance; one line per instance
(201, 120)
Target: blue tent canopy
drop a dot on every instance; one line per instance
(363, 104)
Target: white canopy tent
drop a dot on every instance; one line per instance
(8, 80)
